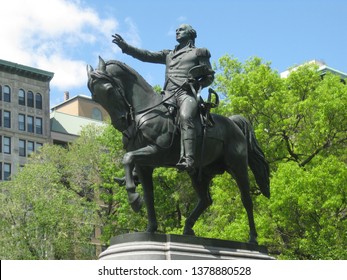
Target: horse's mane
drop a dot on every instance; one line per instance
(99, 74)
(125, 68)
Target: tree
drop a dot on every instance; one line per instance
(52, 207)
(40, 218)
(115, 215)
(301, 124)
(295, 118)
(308, 210)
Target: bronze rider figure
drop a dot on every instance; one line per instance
(179, 62)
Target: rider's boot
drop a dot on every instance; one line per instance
(186, 161)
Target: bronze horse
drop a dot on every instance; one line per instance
(151, 140)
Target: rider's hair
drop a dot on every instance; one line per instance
(192, 33)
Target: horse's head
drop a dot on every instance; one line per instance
(107, 88)
(100, 82)
(120, 90)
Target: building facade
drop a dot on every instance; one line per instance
(24, 114)
(82, 106)
(322, 69)
(27, 122)
(69, 117)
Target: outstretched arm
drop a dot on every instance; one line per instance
(143, 55)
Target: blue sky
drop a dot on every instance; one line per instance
(64, 36)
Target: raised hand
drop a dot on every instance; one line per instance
(119, 41)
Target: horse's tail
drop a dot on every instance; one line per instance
(256, 157)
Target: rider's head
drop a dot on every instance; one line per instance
(185, 33)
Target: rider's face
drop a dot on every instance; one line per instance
(182, 33)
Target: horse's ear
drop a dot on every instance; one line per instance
(89, 70)
(102, 65)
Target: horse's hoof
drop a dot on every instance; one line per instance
(152, 228)
(136, 205)
(188, 231)
(253, 241)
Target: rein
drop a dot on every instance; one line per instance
(132, 112)
(149, 109)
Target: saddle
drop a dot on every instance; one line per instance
(159, 124)
(204, 107)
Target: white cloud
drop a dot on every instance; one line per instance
(70, 73)
(54, 35)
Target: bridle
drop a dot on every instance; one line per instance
(99, 75)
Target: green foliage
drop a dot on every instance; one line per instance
(300, 123)
(295, 118)
(52, 207)
(308, 210)
(157, 88)
(174, 199)
(115, 214)
(40, 218)
(226, 211)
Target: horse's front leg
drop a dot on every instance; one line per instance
(143, 156)
(134, 198)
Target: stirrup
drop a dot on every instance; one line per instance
(185, 164)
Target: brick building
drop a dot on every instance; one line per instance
(24, 114)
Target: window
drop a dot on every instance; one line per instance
(21, 122)
(38, 123)
(7, 119)
(0, 118)
(7, 171)
(22, 148)
(38, 100)
(30, 147)
(0, 92)
(38, 145)
(7, 145)
(96, 114)
(30, 99)
(7, 94)
(21, 97)
(30, 124)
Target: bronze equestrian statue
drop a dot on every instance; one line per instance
(151, 139)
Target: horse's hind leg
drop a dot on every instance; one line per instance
(204, 200)
(240, 174)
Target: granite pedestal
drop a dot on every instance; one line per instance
(152, 246)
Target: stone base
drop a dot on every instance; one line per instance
(152, 246)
